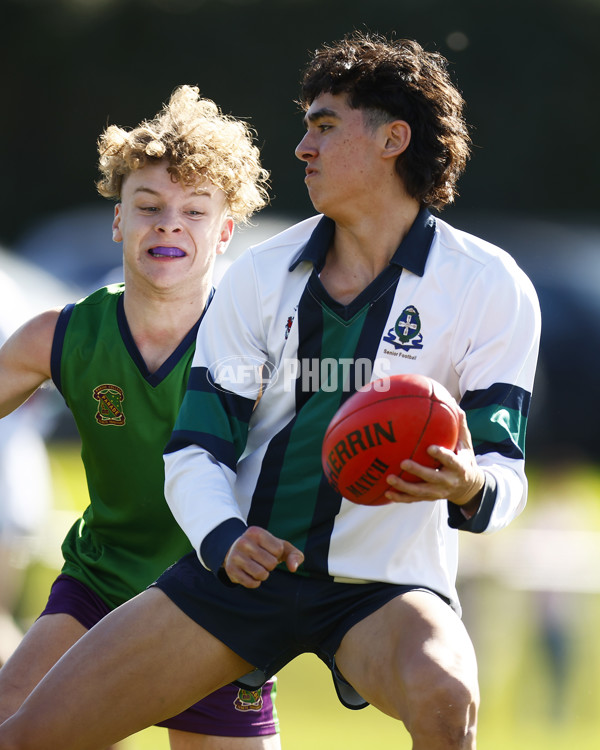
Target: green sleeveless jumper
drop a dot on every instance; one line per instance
(127, 536)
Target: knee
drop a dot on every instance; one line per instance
(442, 712)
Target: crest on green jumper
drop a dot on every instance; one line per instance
(110, 404)
(406, 333)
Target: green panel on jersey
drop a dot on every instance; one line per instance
(298, 487)
(495, 424)
(222, 426)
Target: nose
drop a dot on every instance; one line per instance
(305, 150)
(168, 221)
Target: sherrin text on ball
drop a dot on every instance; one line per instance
(381, 425)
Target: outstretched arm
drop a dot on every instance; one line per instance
(25, 360)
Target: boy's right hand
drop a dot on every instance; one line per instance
(253, 556)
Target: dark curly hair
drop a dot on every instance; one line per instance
(399, 80)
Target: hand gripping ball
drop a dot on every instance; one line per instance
(381, 425)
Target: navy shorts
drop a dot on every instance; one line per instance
(231, 711)
(287, 615)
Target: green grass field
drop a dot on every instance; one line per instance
(527, 703)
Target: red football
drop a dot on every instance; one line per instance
(381, 425)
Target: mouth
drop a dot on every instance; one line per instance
(162, 251)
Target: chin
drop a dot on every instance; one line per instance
(319, 205)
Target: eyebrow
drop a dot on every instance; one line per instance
(143, 189)
(193, 192)
(319, 114)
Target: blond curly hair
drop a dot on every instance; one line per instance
(199, 142)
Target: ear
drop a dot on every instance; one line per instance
(397, 138)
(226, 235)
(117, 235)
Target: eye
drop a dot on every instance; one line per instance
(148, 209)
(324, 126)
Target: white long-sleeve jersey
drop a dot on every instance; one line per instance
(449, 305)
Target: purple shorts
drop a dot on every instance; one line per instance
(228, 712)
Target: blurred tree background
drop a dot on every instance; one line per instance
(528, 70)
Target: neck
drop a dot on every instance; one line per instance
(372, 240)
(362, 249)
(159, 322)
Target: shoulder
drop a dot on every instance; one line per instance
(488, 284)
(38, 331)
(279, 251)
(103, 296)
(29, 348)
(472, 247)
(474, 256)
(292, 238)
(92, 310)
(265, 267)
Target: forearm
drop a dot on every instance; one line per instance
(199, 493)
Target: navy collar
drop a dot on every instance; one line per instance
(157, 377)
(411, 254)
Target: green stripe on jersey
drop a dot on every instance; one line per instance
(200, 407)
(298, 487)
(497, 423)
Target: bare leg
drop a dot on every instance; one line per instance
(190, 741)
(43, 645)
(11, 582)
(414, 661)
(10, 635)
(144, 662)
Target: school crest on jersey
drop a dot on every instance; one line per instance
(406, 332)
(249, 700)
(110, 404)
